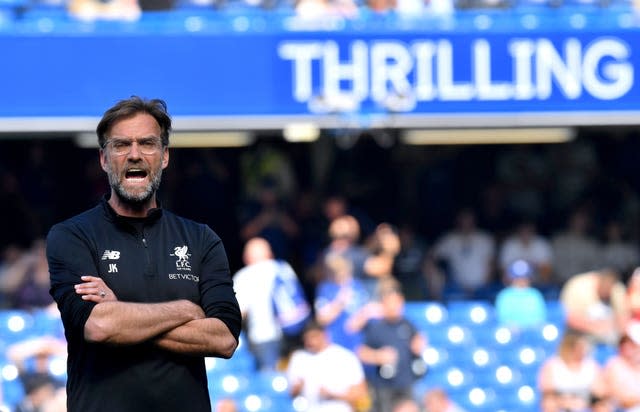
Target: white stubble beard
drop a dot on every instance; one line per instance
(116, 182)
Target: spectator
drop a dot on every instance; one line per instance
(344, 232)
(42, 394)
(603, 404)
(520, 305)
(527, 244)
(90, 10)
(265, 163)
(622, 371)
(409, 263)
(406, 405)
(595, 304)
(11, 254)
(319, 9)
(437, 400)
(226, 405)
(267, 217)
(25, 282)
(574, 250)
(329, 376)
(335, 206)
(253, 285)
(384, 246)
(633, 294)
(339, 302)
(392, 345)
(572, 374)
(618, 252)
(43, 391)
(468, 255)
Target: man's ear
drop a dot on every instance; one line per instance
(103, 159)
(165, 157)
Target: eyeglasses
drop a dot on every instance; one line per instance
(122, 147)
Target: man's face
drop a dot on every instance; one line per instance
(392, 304)
(314, 340)
(136, 175)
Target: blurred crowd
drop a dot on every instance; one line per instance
(446, 221)
(369, 228)
(311, 11)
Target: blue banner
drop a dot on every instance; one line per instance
(248, 77)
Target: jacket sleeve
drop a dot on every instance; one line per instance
(69, 256)
(217, 296)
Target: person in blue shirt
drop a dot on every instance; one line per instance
(341, 302)
(520, 305)
(391, 349)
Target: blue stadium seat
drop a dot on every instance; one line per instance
(556, 313)
(545, 336)
(15, 325)
(501, 377)
(478, 359)
(271, 383)
(238, 363)
(497, 337)
(602, 352)
(451, 379)
(229, 384)
(525, 358)
(524, 398)
(436, 357)
(11, 386)
(257, 402)
(268, 391)
(456, 336)
(425, 314)
(478, 398)
(49, 323)
(7, 18)
(471, 312)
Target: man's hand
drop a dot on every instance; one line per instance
(95, 290)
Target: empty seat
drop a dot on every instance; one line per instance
(15, 325)
(424, 314)
(556, 313)
(471, 312)
(545, 336)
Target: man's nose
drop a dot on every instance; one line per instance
(135, 151)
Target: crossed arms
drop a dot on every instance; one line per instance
(179, 326)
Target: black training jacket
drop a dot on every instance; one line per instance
(159, 258)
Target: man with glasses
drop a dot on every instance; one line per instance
(144, 294)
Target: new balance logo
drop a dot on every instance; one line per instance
(111, 255)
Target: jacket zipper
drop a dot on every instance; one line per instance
(147, 270)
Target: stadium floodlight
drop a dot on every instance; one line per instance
(488, 136)
(301, 132)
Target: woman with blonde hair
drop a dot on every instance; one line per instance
(573, 375)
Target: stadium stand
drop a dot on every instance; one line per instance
(485, 367)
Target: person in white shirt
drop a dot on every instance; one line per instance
(622, 371)
(572, 374)
(526, 244)
(437, 400)
(253, 285)
(575, 250)
(468, 254)
(329, 377)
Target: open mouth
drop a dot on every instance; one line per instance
(135, 174)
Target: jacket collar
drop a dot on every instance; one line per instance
(152, 216)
